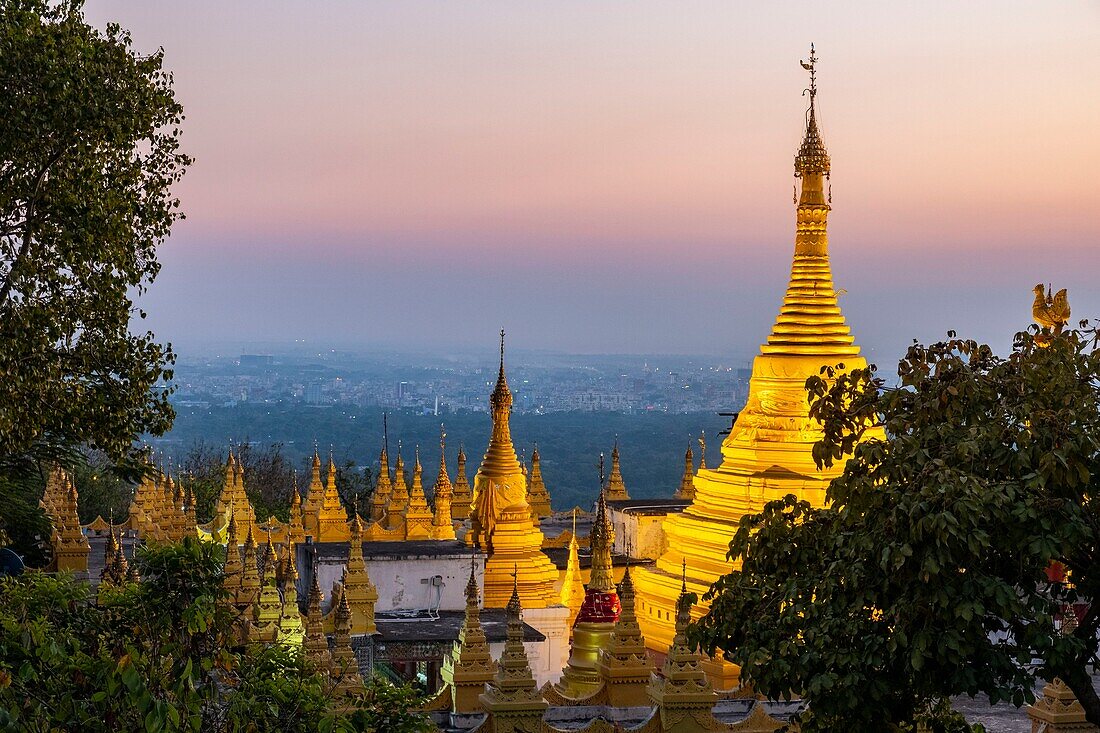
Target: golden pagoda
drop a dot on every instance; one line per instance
(468, 666)
(332, 520)
(687, 481)
(233, 499)
(115, 566)
(345, 666)
(315, 642)
(681, 690)
(624, 667)
(616, 488)
(595, 622)
(250, 573)
(191, 512)
(442, 526)
(572, 587)
(383, 487)
(500, 518)
(291, 628)
(358, 590)
(768, 452)
(511, 697)
(233, 570)
(311, 508)
(537, 494)
(460, 501)
(268, 607)
(297, 519)
(418, 517)
(70, 547)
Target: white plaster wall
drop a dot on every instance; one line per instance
(402, 582)
(548, 658)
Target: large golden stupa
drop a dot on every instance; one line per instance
(768, 451)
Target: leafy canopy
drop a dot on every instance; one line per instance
(930, 573)
(161, 655)
(89, 153)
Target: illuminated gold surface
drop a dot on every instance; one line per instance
(460, 500)
(442, 526)
(418, 517)
(332, 519)
(500, 518)
(359, 591)
(768, 451)
(537, 494)
(591, 633)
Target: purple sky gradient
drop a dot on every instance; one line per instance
(617, 176)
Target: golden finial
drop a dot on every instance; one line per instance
(683, 575)
(600, 468)
(702, 449)
(812, 156)
(1050, 311)
(385, 434)
(811, 66)
(442, 439)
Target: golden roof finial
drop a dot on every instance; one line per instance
(810, 66)
(683, 575)
(501, 399)
(812, 156)
(1050, 311)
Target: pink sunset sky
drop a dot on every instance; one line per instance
(617, 176)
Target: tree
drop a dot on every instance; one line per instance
(934, 570)
(89, 153)
(161, 655)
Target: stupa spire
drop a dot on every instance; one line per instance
(418, 517)
(469, 666)
(537, 494)
(624, 665)
(344, 663)
(616, 487)
(600, 610)
(500, 517)
(687, 481)
(297, 525)
(768, 452)
(315, 643)
(460, 501)
(572, 587)
(383, 487)
(810, 321)
(500, 458)
(442, 525)
(358, 590)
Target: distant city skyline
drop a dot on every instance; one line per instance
(616, 177)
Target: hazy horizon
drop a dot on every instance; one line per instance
(617, 177)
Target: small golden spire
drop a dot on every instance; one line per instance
(602, 540)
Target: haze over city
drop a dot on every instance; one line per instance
(617, 177)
